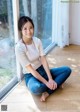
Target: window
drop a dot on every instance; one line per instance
(7, 55)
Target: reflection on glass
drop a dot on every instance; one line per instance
(7, 56)
(41, 13)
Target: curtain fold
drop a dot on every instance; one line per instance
(61, 37)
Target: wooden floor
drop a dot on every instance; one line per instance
(63, 100)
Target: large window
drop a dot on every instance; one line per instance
(41, 13)
(7, 55)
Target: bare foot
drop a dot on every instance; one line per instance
(44, 96)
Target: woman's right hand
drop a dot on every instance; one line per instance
(49, 85)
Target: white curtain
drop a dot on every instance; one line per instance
(64, 24)
(60, 32)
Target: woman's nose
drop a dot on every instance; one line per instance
(28, 31)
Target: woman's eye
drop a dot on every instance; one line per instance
(31, 27)
(28, 28)
(25, 28)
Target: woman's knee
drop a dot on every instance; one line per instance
(68, 70)
(35, 88)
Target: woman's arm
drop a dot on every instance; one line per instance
(46, 67)
(38, 76)
(35, 74)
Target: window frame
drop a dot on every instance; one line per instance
(6, 89)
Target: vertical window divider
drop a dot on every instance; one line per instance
(15, 4)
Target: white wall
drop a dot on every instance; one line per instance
(74, 23)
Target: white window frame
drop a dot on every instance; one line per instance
(16, 33)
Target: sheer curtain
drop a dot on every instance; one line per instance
(62, 24)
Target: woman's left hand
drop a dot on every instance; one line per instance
(53, 83)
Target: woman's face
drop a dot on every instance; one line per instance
(27, 30)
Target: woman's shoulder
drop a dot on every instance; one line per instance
(19, 45)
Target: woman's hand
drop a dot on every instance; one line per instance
(49, 85)
(52, 84)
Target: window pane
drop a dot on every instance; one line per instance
(7, 55)
(41, 13)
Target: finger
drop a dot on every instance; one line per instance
(55, 86)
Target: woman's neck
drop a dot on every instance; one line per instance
(27, 40)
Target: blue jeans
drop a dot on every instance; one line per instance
(37, 87)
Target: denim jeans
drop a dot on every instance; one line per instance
(59, 75)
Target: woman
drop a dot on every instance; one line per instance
(29, 51)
